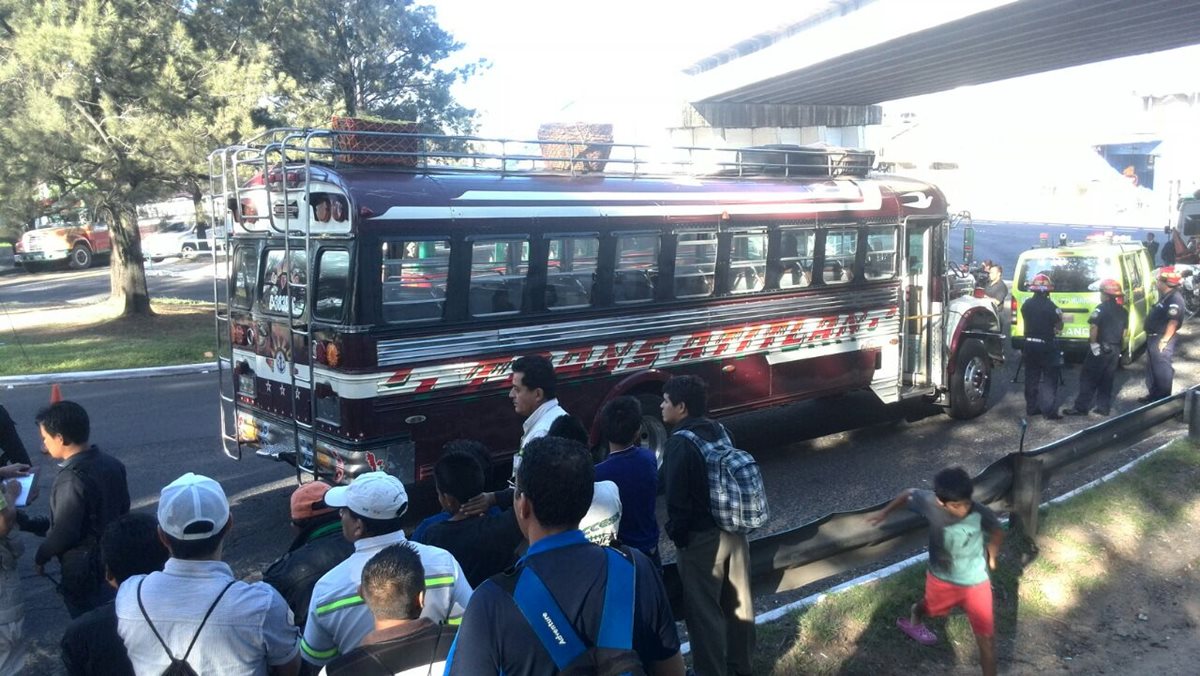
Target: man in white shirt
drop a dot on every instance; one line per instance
(533, 394)
(371, 508)
(248, 627)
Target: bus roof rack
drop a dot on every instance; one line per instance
(438, 153)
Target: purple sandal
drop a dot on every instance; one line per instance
(917, 632)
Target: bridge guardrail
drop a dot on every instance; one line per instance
(843, 541)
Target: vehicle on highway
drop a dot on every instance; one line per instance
(53, 241)
(180, 238)
(378, 294)
(1076, 271)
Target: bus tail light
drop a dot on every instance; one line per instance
(1012, 308)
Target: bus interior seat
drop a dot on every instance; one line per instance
(632, 285)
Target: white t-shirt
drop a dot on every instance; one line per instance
(604, 516)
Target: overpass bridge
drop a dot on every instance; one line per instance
(821, 78)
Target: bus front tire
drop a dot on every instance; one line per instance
(971, 382)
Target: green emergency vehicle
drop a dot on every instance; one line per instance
(1076, 270)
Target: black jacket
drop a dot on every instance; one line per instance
(686, 478)
(91, 644)
(11, 448)
(89, 492)
(314, 552)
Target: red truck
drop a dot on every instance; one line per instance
(54, 242)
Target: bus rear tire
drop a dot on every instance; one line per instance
(654, 433)
(972, 380)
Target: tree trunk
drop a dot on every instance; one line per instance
(128, 271)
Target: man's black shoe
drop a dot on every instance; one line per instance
(1100, 411)
(1054, 416)
(1146, 399)
(1032, 413)
(1073, 411)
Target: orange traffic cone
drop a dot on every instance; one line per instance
(55, 394)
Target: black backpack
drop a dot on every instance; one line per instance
(179, 665)
(612, 654)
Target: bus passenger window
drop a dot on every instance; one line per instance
(498, 270)
(841, 247)
(748, 262)
(695, 264)
(333, 275)
(414, 279)
(795, 258)
(636, 269)
(571, 269)
(881, 253)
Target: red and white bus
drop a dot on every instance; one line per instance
(375, 300)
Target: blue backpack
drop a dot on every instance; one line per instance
(612, 654)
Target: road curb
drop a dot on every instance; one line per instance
(114, 374)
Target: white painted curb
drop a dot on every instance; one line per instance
(115, 374)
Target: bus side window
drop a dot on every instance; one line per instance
(498, 271)
(841, 247)
(695, 264)
(636, 269)
(795, 258)
(571, 271)
(881, 253)
(748, 262)
(414, 279)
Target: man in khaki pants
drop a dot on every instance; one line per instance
(714, 565)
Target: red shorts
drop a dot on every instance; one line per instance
(941, 597)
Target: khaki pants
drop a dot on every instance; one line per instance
(715, 571)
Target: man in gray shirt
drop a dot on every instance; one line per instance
(248, 628)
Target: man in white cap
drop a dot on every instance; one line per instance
(371, 508)
(195, 610)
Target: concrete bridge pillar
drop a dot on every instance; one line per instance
(754, 124)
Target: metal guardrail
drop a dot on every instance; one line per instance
(840, 542)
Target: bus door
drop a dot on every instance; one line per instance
(917, 308)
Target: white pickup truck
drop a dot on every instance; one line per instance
(180, 238)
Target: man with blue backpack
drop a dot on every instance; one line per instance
(568, 606)
(715, 497)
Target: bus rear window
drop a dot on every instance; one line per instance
(498, 269)
(414, 279)
(245, 274)
(278, 291)
(333, 274)
(1070, 274)
(636, 269)
(570, 272)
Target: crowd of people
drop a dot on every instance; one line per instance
(560, 570)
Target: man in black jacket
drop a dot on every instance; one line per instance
(316, 549)
(89, 492)
(12, 451)
(713, 564)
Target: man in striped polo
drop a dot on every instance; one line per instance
(371, 508)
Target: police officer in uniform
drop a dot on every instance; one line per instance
(1109, 323)
(1162, 327)
(1043, 361)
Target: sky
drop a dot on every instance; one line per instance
(619, 61)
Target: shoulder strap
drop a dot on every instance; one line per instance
(195, 636)
(616, 620)
(546, 619)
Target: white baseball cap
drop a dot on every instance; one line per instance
(375, 495)
(192, 507)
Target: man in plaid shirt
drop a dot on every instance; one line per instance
(714, 565)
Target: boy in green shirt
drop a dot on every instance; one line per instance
(959, 559)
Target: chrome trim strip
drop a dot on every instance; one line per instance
(617, 327)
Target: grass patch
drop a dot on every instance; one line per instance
(854, 632)
(92, 337)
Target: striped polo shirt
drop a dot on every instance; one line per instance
(338, 620)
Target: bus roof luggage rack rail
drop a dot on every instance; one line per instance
(370, 143)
